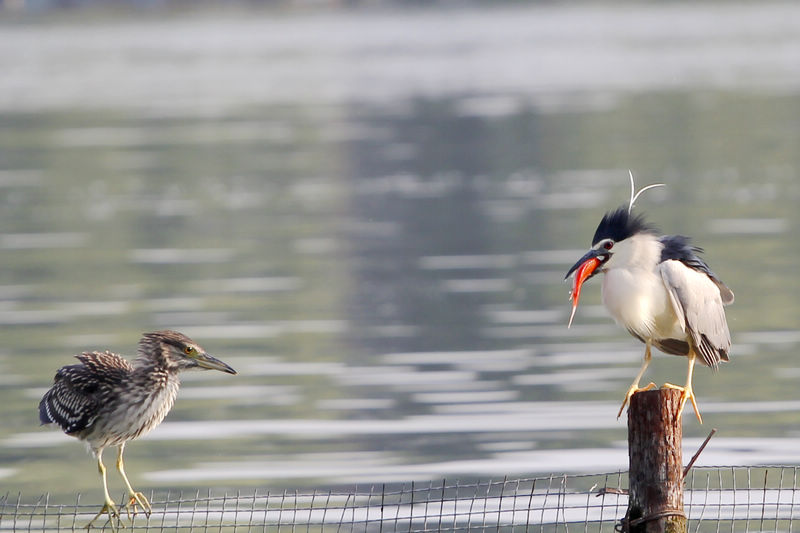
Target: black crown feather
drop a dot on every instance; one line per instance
(618, 225)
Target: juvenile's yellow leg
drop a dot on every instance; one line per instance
(686, 392)
(134, 498)
(634, 388)
(108, 507)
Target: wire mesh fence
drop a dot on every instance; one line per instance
(742, 498)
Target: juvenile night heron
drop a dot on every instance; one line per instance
(660, 290)
(106, 401)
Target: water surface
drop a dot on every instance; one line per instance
(369, 216)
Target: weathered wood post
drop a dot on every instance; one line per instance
(655, 437)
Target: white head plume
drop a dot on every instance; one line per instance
(635, 195)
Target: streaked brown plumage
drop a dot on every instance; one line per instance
(106, 401)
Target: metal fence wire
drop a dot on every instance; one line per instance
(741, 498)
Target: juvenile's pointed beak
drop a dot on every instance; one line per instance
(212, 363)
(585, 268)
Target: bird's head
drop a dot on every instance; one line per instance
(175, 351)
(613, 243)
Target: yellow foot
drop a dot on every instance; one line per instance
(137, 499)
(633, 390)
(686, 394)
(114, 519)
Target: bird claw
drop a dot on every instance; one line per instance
(633, 390)
(686, 394)
(137, 499)
(114, 518)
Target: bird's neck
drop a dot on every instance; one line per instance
(155, 388)
(633, 291)
(642, 251)
(155, 371)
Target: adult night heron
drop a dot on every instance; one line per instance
(660, 290)
(106, 401)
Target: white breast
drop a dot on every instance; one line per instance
(634, 292)
(638, 301)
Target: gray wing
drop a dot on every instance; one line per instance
(698, 303)
(724, 291)
(79, 390)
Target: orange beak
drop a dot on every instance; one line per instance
(583, 271)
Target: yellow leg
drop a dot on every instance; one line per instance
(108, 507)
(134, 498)
(687, 393)
(634, 388)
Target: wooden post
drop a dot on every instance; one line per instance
(655, 436)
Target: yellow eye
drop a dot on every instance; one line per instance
(188, 350)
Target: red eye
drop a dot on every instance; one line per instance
(608, 245)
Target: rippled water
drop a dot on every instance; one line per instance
(372, 225)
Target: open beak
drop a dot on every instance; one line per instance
(584, 269)
(212, 363)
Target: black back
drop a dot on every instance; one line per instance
(679, 248)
